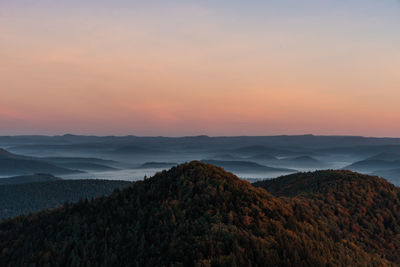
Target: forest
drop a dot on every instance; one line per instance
(26, 194)
(197, 214)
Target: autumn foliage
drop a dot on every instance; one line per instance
(199, 215)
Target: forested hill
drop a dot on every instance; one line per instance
(363, 209)
(199, 215)
(39, 177)
(18, 198)
(327, 181)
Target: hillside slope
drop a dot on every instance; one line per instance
(39, 177)
(373, 165)
(246, 166)
(195, 214)
(13, 164)
(361, 208)
(22, 198)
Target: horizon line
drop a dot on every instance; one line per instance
(194, 136)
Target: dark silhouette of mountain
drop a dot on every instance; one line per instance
(87, 166)
(246, 166)
(22, 198)
(4, 154)
(367, 149)
(38, 148)
(299, 141)
(22, 167)
(372, 165)
(60, 160)
(336, 150)
(39, 177)
(392, 175)
(82, 163)
(136, 150)
(289, 162)
(156, 165)
(301, 161)
(386, 156)
(385, 164)
(259, 149)
(13, 164)
(226, 157)
(267, 157)
(199, 215)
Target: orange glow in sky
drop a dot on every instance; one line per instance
(188, 68)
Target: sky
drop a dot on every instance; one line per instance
(178, 68)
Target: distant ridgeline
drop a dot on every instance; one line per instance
(39, 177)
(15, 164)
(25, 194)
(197, 214)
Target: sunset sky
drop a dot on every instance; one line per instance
(184, 67)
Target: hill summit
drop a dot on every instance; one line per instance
(197, 214)
(5, 154)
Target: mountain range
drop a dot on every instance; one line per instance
(15, 164)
